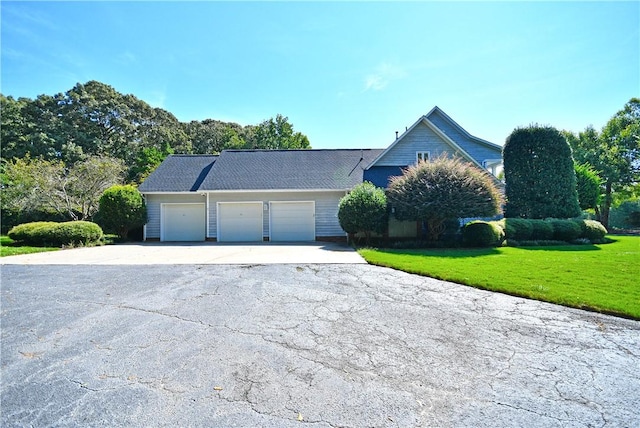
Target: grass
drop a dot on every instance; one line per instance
(10, 248)
(603, 278)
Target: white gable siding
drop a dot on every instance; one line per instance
(480, 152)
(419, 139)
(153, 202)
(326, 204)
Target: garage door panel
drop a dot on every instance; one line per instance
(240, 221)
(183, 222)
(292, 221)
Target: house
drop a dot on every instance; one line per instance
(291, 195)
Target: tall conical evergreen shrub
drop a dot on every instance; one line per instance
(539, 174)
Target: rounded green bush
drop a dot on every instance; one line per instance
(565, 230)
(517, 228)
(592, 230)
(541, 230)
(57, 234)
(482, 234)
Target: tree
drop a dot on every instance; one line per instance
(441, 190)
(588, 185)
(122, 208)
(364, 209)
(614, 153)
(49, 185)
(539, 174)
(278, 134)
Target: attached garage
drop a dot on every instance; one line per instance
(292, 221)
(182, 222)
(239, 221)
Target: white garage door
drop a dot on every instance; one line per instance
(292, 221)
(182, 222)
(239, 221)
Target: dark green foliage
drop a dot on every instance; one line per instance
(634, 219)
(592, 230)
(12, 217)
(541, 230)
(539, 174)
(588, 184)
(482, 234)
(565, 230)
(57, 234)
(364, 209)
(621, 216)
(517, 228)
(443, 189)
(121, 208)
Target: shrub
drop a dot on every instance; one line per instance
(622, 216)
(588, 185)
(122, 208)
(442, 189)
(517, 228)
(539, 174)
(482, 234)
(592, 230)
(541, 230)
(57, 234)
(565, 230)
(364, 209)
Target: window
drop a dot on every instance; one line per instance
(422, 156)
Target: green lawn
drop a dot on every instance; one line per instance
(9, 248)
(603, 278)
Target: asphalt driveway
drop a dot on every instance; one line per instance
(156, 253)
(301, 345)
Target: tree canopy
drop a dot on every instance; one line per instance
(614, 153)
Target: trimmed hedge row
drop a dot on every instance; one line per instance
(491, 234)
(48, 233)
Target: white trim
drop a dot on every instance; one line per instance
(162, 207)
(236, 203)
(206, 217)
(313, 203)
(449, 141)
(275, 191)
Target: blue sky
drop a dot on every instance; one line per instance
(346, 74)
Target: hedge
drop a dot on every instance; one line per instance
(482, 234)
(44, 233)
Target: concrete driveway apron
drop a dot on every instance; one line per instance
(196, 253)
(334, 345)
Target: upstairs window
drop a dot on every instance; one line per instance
(422, 156)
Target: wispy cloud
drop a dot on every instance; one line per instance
(382, 75)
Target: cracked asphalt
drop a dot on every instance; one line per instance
(301, 345)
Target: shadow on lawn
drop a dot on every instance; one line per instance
(453, 253)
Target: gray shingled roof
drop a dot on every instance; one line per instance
(179, 173)
(288, 169)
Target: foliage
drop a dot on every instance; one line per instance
(38, 185)
(93, 119)
(517, 228)
(622, 216)
(565, 230)
(539, 174)
(57, 234)
(592, 230)
(278, 133)
(482, 234)
(122, 208)
(541, 230)
(595, 277)
(614, 153)
(588, 184)
(442, 189)
(364, 209)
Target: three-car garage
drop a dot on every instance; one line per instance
(246, 221)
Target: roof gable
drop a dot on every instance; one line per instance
(437, 133)
(179, 173)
